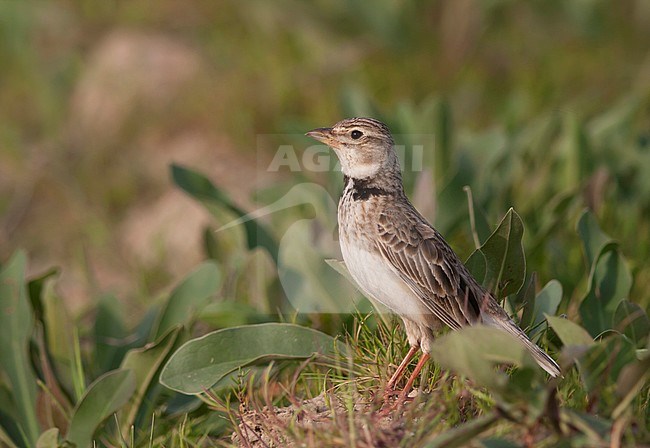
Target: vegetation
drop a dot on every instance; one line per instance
(533, 166)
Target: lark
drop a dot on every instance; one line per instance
(396, 257)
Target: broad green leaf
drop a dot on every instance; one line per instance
(58, 327)
(53, 405)
(61, 340)
(16, 324)
(464, 433)
(340, 267)
(504, 256)
(228, 245)
(36, 287)
(632, 379)
(310, 285)
(526, 297)
(188, 298)
(569, 332)
(603, 361)
(230, 313)
(145, 363)
(257, 282)
(594, 427)
(473, 351)
(104, 396)
(546, 303)
(610, 285)
(110, 331)
(632, 320)
(200, 363)
(201, 188)
(49, 439)
(528, 388)
(477, 265)
(594, 241)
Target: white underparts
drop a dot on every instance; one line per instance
(379, 282)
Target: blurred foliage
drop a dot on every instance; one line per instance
(541, 89)
(542, 107)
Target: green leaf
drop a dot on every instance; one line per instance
(546, 303)
(504, 256)
(340, 267)
(311, 286)
(49, 439)
(16, 324)
(610, 285)
(477, 265)
(592, 426)
(35, 287)
(632, 379)
(595, 242)
(632, 320)
(257, 284)
(201, 188)
(569, 332)
(473, 352)
(109, 331)
(189, 298)
(462, 434)
(145, 363)
(230, 313)
(104, 396)
(201, 363)
(59, 330)
(526, 297)
(603, 362)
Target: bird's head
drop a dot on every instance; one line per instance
(363, 145)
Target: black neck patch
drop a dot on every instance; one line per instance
(362, 190)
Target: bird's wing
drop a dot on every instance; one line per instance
(426, 263)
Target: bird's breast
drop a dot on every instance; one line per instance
(368, 268)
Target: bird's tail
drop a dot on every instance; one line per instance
(545, 362)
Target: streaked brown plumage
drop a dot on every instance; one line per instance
(395, 255)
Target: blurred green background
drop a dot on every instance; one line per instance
(547, 100)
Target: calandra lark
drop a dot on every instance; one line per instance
(397, 257)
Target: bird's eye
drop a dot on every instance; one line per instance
(356, 134)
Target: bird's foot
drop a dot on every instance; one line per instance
(393, 401)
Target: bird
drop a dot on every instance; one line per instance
(397, 257)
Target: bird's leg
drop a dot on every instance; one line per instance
(390, 386)
(409, 384)
(414, 375)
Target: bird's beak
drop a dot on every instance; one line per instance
(323, 135)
